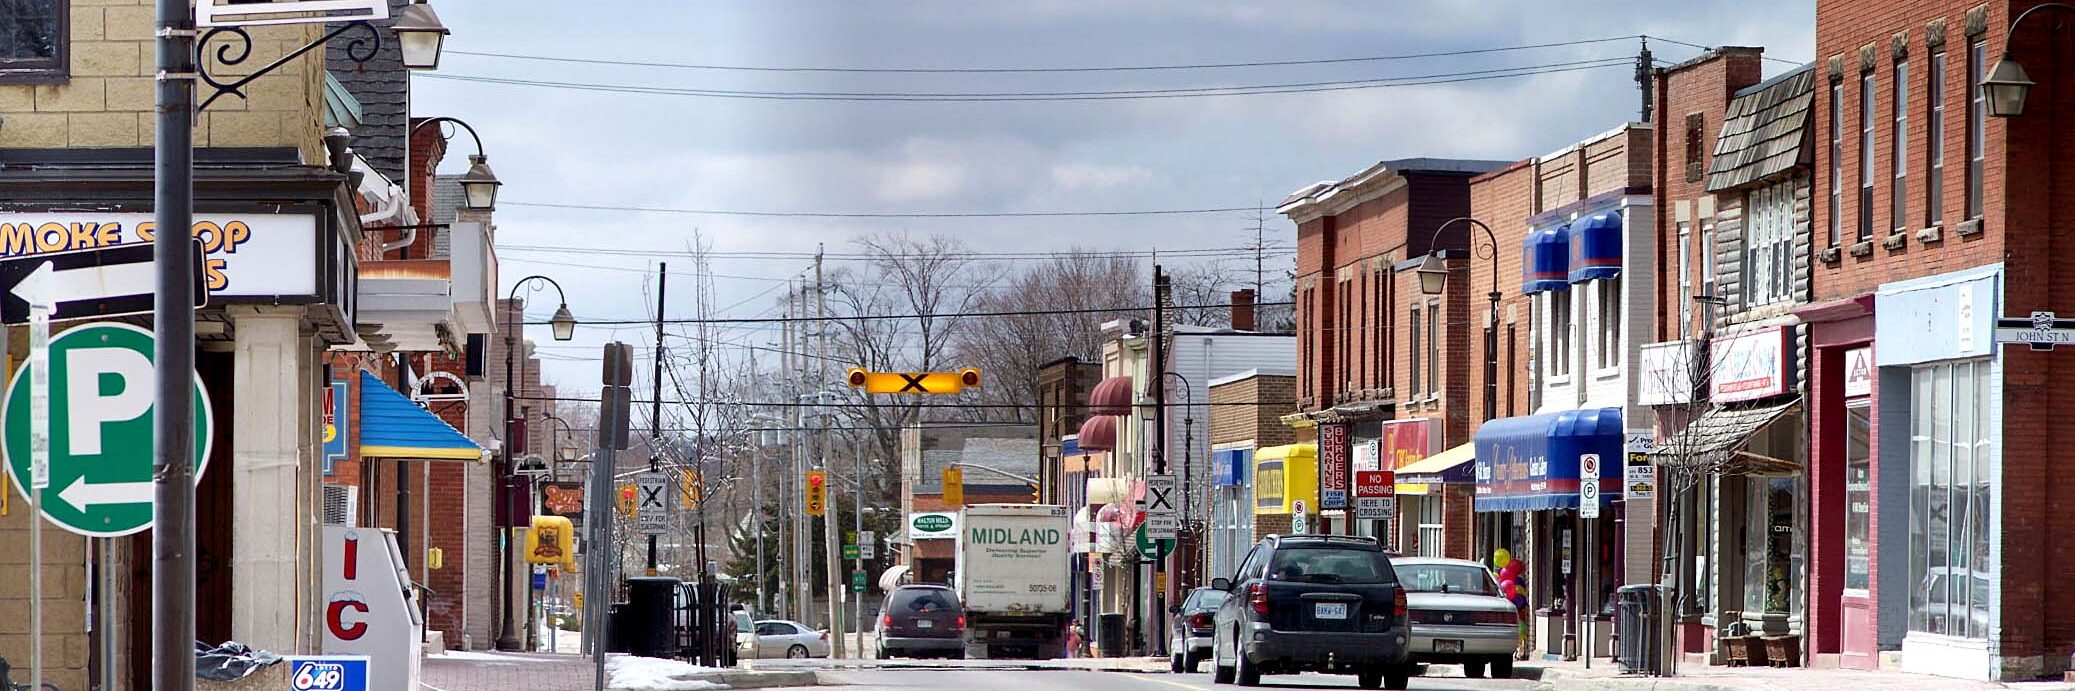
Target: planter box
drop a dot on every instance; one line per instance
(1783, 651)
(1740, 651)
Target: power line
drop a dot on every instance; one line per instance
(1243, 250)
(1699, 46)
(1135, 94)
(871, 214)
(878, 403)
(872, 317)
(1035, 70)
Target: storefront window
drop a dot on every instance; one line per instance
(1948, 503)
(1858, 495)
(1769, 573)
(1430, 530)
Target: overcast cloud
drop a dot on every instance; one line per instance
(582, 147)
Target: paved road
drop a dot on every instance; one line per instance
(1060, 680)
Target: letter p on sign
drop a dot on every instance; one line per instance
(103, 385)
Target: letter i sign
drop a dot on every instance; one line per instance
(100, 390)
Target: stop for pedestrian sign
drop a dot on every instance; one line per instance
(101, 399)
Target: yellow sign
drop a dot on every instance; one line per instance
(817, 493)
(551, 541)
(688, 483)
(914, 382)
(579, 600)
(954, 486)
(1284, 475)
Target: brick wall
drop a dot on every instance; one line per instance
(107, 101)
(1269, 395)
(1504, 199)
(1694, 92)
(65, 640)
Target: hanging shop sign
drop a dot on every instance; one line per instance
(254, 255)
(1751, 365)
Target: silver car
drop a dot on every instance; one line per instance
(1458, 615)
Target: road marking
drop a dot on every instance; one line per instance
(1157, 680)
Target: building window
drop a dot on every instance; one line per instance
(1433, 348)
(1695, 167)
(1977, 124)
(1685, 280)
(1769, 570)
(1607, 292)
(33, 41)
(1949, 435)
(1898, 166)
(1707, 276)
(1858, 495)
(1431, 531)
(1416, 351)
(1560, 328)
(1866, 156)
(1934, 141)
(1836, 162)
(1768, 245)
(1361, 354)
(1512, 368)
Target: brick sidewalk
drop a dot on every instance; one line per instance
(506, 672)
(1564, 675)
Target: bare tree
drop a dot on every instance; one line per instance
(931, 278)
(1064, 301)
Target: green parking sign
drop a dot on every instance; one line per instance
(100, 391)
(857, 581)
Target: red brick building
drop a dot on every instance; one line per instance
(1935, 218)
(1383, 369)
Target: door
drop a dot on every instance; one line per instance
(1857, 642)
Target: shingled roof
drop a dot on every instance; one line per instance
(383, 87)
(1765, 131)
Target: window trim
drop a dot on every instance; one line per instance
(1867, 119)
(1417, 350)
(1433, 348)
(56, 69)
(1934, 140)
(1977, 127)
(1607, 356)
(1898, 148)
(1836, 162)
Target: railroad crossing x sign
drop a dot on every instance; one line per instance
(913, 382)
(101, 399)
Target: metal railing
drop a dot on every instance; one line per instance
(1430, 536)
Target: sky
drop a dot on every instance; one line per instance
(559, 145)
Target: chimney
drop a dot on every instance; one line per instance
(1243, 310)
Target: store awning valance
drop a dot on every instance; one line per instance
(1596, 247)
(1714, 442)
(1108, 491)
(1110, 396)
(1546, 261)
(393, 427)
(1446, 468)
(1098, 433)
(892, 577)
(1531, 463)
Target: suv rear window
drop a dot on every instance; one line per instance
(921, 600)
(1330, 564)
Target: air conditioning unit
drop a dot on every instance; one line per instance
(341, 505)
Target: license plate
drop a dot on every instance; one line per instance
(1329, 610)
(1447, 646)
(925, 624)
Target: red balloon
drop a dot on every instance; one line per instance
(1510, 570)
(1509, 589)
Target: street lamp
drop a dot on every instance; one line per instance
(418, 28)
(1433, 279)
(2007, 84)
(478, 185)
(565, 328)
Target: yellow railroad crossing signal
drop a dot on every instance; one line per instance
(914, 382)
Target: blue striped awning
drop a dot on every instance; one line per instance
(393, 427)
(1545, 260)
(1531, 463)
(1596, 247)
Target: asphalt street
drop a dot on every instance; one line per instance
(1068, 680)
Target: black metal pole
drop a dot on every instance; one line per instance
(655, 426)
(501, 514)
(173, 514)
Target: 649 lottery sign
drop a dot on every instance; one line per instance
(99, 392)
(328, 673)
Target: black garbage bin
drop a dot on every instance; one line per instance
(1637, 623)
(1111, 637)
(650, 615)
(616, 632)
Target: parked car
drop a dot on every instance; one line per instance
(1458, 616)
(1312, 603)
(1191, 624)
(790, 639)
(921, 621)
(745, 634)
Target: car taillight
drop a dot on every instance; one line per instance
(885, 621)
(960, 624)
(1257, 595)
(1199, 621)
(824, 635)
(1399, 606)
(1506, 618)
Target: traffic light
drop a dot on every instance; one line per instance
(1037, 495)
(627, 500)
(817, 493)
(954, 486)
(688, 482)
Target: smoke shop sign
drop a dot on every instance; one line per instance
(245, 255)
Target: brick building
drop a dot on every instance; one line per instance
(1245, 415)
(1936, 218)
(1383, 370)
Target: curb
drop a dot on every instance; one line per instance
(751, 680)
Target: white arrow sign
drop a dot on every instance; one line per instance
(48, 285)
(81, 495)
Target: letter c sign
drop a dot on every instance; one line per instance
(335, 619)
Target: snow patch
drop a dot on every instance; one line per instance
(630, 673)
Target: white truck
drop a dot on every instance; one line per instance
(1012, 579)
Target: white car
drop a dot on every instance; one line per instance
(745, 635)
(1458, 616)
(790, 639)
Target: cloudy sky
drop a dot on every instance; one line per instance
(561, 145)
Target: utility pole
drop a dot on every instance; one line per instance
(857, 519)
(1645, 70)
(1159, 386)
(173, 317)
(831, 548)
(655, 422)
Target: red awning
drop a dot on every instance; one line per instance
(1111, 396)
(1099, 433)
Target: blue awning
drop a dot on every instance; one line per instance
(1531, 463)
(1228, 466)
(1596, 247)
(393, 427)
(1546, 259)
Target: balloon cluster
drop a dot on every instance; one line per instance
(1512, 577)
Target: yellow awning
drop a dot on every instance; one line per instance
(1444, 466)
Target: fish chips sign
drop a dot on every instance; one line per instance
(244, 255)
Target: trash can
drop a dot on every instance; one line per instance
(1637, 623)
(1110, 636)
(650, 614)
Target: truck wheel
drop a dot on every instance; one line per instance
(1246, 673)
(1192, 662)
(1174, 662)
(1369, 678)
(1397, 677)
(1473, 669)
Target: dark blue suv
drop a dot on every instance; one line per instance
(1312, 603)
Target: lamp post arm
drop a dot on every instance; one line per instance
(456, 121)
(2027, 13)
(1488, 251)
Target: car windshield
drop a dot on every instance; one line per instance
(923, 600)
(1205, 599)
(1451, 578)
(1329, 565)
